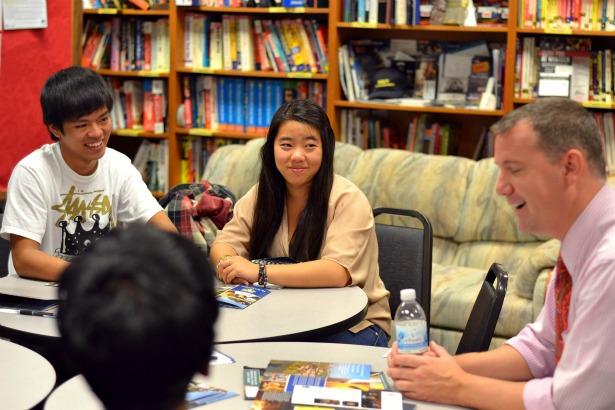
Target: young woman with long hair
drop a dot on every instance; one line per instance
(300, 209)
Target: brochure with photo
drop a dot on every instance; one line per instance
(298, 384)
(240, 296)
(199, 394)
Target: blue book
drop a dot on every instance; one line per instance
(222, 97)
(293, 3)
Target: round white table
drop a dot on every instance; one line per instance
(282, 314)
(26, 377)
(230, 376)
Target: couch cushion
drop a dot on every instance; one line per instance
(485, 215)
(433, 185)
(454, 290)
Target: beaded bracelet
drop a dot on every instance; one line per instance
(262, 273)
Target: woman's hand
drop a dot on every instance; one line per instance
(237, 270)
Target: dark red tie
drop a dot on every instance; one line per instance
(563, 289)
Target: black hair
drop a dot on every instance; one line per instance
(136, 316)
(307, 240)
(72, 93)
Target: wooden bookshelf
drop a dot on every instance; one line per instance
(338, 33)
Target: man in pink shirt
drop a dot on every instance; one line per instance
(553, 173)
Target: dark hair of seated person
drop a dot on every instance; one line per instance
(136, 317)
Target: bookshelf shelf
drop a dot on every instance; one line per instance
(141, 73)
(428, 109)
(203, 132)
(139, 134)
(565, 32)
(456, 29)
(127, 12)
(587, 104)
(258, 74)
(258, 10)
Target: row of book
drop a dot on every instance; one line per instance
(139, 104)
(595, 15)
(564, 67)
(246, 44)
(434, 73)
(254, 3)
(424, 12)
(606, 124)
(372, 129)
(195, 153)
(240, 104)
(126, 44)
(151, 160)
(124, 4)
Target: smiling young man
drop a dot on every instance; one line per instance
(552, 172)
(65, 195)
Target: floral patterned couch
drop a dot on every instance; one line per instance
(473, 226)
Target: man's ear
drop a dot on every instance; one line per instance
(574, 163)
(55, 131)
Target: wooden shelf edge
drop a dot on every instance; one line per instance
(203, 132)
(587, 104)
(140, 73)
(258, 10)
(138, 134)
(129, 12)
(476, 29)
(427, 109)
(260, 74)
(565, 32)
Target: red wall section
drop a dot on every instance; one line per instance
(28, 58)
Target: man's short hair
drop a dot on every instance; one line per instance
(136, 316)
(72, 93)
(560, 124)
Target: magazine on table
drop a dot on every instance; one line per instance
(294, 384)
(239, 296)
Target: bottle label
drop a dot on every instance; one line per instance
(411, 336)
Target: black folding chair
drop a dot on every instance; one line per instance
(404, 257)
(5, 248)
(484, 316)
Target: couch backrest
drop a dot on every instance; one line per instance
(472, 225)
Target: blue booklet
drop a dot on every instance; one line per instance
(240, 296)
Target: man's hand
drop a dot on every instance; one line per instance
(238, 270)
(434, 376)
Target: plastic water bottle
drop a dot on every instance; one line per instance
(410, 324)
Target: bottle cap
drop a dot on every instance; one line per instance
(407, 294)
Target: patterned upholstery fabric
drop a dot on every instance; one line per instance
(473, 226)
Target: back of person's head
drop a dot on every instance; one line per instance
(136, 316)
(306, 242)
(560, 124)
(72, 93)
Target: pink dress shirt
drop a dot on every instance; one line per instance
(584, 378)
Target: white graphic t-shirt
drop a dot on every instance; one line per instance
(65, 212)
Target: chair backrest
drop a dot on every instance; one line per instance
(481, 323)
(404, 257)
(5, 248)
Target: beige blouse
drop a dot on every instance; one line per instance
(350, 240)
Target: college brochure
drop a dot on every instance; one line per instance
(292, 385)
(199, 394)
(239, 296)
